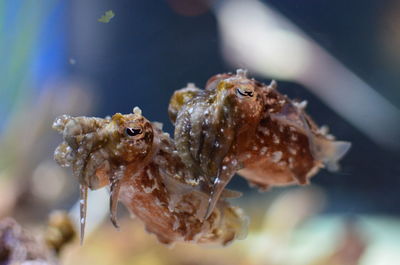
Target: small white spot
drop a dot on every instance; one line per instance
(176, 225)
(282, 164)
(330, 137)
(241, 73)
(275, 139)
(301, 105)
(263, 130)
(190, 85)
(226, 159)
(292, 150)
(158, 125)
(324, 130)
(263, 150)
(149, 190)
(234, 162)
(137, 110)
(276, 156)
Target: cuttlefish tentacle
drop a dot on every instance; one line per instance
(82, 209)
(219, 184)
(225, 173)
(115, 182)
(81, 136)
(79, 169)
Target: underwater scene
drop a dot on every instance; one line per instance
(196, 132)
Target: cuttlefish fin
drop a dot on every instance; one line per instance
(217, 188)
(114, 196)
(83, 194)
(330, 152)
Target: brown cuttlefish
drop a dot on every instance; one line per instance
(139, 162)
(237, 124)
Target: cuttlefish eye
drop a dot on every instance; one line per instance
(244, 93)
(133, 131)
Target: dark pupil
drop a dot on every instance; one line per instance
(245, 93)
(133, 132)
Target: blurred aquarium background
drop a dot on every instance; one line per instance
(343, 57)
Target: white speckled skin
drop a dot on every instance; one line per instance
(237, 124)
(142, 166)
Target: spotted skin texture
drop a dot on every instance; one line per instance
(214, 127)
(141, 165)
(237, 124)
(281, 151)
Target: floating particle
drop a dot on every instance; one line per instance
(106, 17)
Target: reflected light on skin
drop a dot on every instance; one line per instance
(258, 38)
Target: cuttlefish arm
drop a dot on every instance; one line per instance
(83, 194)
(115, 186)
(224, 176)
(81, 136)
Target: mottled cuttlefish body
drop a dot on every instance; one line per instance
(140, 164)
(237, 124)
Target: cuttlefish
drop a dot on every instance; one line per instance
(139, 163)
(240, 125)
